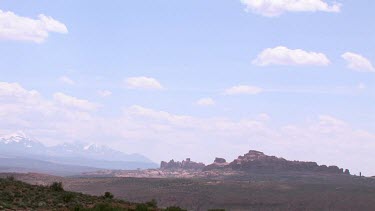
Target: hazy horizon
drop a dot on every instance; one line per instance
(193, 79)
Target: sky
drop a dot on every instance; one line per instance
(194, 79)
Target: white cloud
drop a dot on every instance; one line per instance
(14, 27)
(66, 80)
(143, 83)
(272, 8)
(284, 56)
(205, 102)
(104, 93)
(143, 113)
(243, 89)
(74, 102)
(168, 127)
(329, 124)
(358, 62)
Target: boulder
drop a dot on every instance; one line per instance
(220, 160)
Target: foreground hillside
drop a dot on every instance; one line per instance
(255, 193)
(17, 195)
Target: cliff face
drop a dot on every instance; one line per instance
(258, 162)
(184, 165)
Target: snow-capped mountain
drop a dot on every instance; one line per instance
(19, 145)
(18, 137)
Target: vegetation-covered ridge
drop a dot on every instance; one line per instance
(17, 195)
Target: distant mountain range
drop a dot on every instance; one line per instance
(21, 153)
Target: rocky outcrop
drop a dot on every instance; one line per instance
(184, 165)
(220, 160)
(219, 163)
(253, 162)
(258, 162)
(347, 172)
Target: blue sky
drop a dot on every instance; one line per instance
(194, 62)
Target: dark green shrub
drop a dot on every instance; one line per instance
(7, 196)
(68, 197)
(57, 186)
(141, 207)
(105, 207)
(10, 178)
(174, 209)
(153, 203)
(77, 208)
(99, 207)
(108, 195)
(18, 194)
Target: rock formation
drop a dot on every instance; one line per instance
(258, 162)
(220, 160)
(254, 162)
(219, 163)
(184, 165)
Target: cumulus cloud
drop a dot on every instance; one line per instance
(74, 102)
(143, 82)
(15, 27)
(66, 80)
(358, 62)
(104, 93)
(243, 89)
(284, 56)
(205, 102)
(272, 8)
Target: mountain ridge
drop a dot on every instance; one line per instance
(19, 146)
